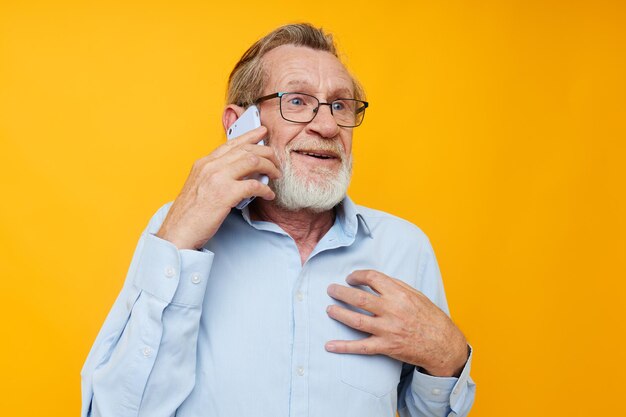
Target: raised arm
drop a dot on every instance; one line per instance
(144, 359)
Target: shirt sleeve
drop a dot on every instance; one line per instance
(420, 394)
(144, 358)
(427, 395)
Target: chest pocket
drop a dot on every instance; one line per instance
(377, 374)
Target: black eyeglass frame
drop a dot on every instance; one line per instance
(315, 110)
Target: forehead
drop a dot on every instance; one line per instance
(290, 68)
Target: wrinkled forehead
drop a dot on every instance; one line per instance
(297, 68)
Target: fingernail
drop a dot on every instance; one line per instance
(328, 309)
(330, 347)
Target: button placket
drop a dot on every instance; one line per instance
(300, 349)
(147, 351)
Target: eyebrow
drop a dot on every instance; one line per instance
(341, 92)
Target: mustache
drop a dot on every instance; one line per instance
(313, 144)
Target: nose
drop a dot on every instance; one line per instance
(324, 122)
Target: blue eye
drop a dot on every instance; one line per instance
(338, 106)
(297, 100)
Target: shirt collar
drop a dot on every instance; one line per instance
(349, 217)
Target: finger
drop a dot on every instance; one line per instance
(357, 298)
(367, 346)
(246, 164)
(262, 151)
(357, 321)
(245, 151)
(404, 285)
(252, 137)
(253, 188)
(377, 281)
(407, 289)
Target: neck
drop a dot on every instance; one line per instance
(305, 227)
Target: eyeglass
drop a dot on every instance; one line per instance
(302, 108)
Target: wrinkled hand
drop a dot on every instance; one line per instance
(215, 185)
(405, 324)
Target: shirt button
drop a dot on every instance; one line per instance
(195, 278)
(436, 391)
(456, 391)
(299, 296)
(169, 272)
(300, 371)
(147, 351)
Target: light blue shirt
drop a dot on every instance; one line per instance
(238, 329)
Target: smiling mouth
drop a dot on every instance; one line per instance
(317, 154)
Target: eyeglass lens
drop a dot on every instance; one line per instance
(302, 108)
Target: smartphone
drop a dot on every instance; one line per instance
(250, 119)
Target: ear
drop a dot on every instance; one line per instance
(231, 113)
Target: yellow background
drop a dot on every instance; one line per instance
(496, 126)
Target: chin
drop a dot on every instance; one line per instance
(318, 177)
(316, 190)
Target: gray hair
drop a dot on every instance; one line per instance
(247, 79)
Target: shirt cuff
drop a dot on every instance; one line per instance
(173, 275)
(443, 389)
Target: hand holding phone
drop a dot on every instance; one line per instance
(249, 120)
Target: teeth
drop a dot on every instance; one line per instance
(316, 155)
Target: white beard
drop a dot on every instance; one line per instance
(319, 189)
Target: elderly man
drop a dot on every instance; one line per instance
(229, 312)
